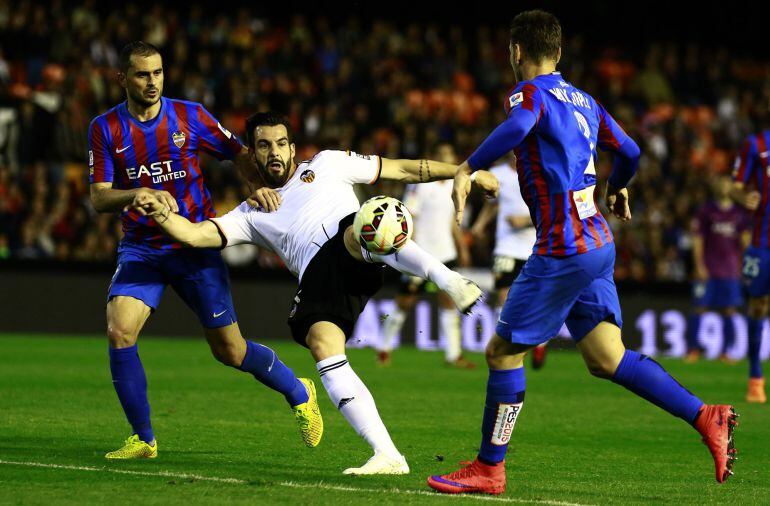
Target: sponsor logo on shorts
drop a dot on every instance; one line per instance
(504, 422)
(178, 138)
(217, 315)
(307, 176)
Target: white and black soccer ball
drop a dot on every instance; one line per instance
(382, 225)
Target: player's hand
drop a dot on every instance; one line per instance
(487, 182)
(751, 200)
(266, 198)
(617, 203)
(142, 197)
(460, 191)
(148, 204)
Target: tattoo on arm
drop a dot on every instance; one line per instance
(420, 166)
(427, 166)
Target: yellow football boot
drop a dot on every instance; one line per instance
(308, 415)
(134, 448)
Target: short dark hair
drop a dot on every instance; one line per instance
(138, 48)
(265, 118)
(538, 33)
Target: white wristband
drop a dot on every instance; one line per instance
(474, 176)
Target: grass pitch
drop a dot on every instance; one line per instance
(223, 438)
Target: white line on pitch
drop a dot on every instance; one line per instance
(291, 484)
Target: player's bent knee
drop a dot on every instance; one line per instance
(602, 369)
(120, 337)
(501, 354)
(228, 353)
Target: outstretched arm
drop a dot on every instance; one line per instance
(195, 235)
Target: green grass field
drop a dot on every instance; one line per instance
(226, 439)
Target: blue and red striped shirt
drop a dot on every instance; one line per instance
(752, 167)
(554, 129)
(161, 154)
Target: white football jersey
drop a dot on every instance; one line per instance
(434, 213)
(313, 201)
(511, 242)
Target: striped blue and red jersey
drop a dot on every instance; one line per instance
(162, 154)
(752, 168)
(554, 130)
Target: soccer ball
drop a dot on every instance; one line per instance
(382, 225)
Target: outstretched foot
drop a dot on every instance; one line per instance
(308, 416)
(716, 424)
(464, 293)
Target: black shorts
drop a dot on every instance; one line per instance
(412, 285)
(506, 270)
(335, 288)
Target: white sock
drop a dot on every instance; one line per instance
(352, 398)
(390, 328)
(449, 323)
(413, 260)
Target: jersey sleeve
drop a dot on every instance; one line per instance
(215, 139)
(524, 107)
(354, 167)
(100, 163)
(235, 227)
(746, 162)
(613, 138)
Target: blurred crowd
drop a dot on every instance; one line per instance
(370, 85)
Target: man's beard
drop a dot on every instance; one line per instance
(273, 180)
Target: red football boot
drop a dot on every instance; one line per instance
(538, 356)
(716, 424)
(475, 478)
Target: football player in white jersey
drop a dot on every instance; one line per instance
(312, 232)
(514, 238)
(436, 230)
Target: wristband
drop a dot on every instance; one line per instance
(474, 176)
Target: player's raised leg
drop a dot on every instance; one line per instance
(413, 260)
(229, 347)
(346, 391)
(125, 318)
(606, 357)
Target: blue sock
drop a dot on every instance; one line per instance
(131, 386)
(505, 396)
(728, 331)
(755, 343)
(693, 325)
(647, 379)
(264, 364)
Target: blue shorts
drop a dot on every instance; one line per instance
(717, 294)
(756, 271)
(578, 290)
(199, 276)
